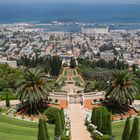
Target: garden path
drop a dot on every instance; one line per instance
(12, 102)
(77, 118)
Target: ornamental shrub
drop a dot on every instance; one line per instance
(51, 114)
(102, 119)
(95, 136)
(135, 130)
(46, 130)
(41, 130)
(7, 100)
(126, 132)
(62, 118)
(58, 125)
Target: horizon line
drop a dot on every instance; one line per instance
(98, 3)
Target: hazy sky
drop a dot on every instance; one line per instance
(71, 1)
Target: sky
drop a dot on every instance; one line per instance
(72, 1)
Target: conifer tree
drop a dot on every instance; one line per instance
(56, 64)
(7, 100)
(104, 128)
(93, 116)
(109, 124)
(58, 125)
(126, 132)
(46, 130)
(62, 118)
(135, 130)
(41, 130)
(99, 122)
(72, 63)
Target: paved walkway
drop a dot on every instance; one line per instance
(77, 117)
(12, 102)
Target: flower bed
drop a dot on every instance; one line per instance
(130, 113)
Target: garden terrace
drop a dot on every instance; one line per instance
(14, 129)
(70, 75)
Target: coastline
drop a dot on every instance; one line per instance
(57, 26)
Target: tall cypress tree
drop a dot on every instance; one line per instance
(109, 124)
(41, 130)
(56, 64)
(47, 65)
(126, 132)
(135, 130)
(58, 125)
(104, 128)
(46, 130)
(93, 116)
(7, 100)
(99, 122)
(72, 63)
(62, 118)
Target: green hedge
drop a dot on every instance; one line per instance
(97, 137)
(51, 114)
(65, 138)
(102, 119)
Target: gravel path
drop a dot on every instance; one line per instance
(78, 129)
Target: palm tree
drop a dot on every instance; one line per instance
(32, 89)
(122, 88)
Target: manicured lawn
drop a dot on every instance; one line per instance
(65, 72)
(61, 79)
(118, 128)
(14, 129)
(77, 79)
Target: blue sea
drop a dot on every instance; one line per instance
(117, 16)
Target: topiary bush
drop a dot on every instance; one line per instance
(102, 119)
(98, 137)
(65, 138)
(90, 128)
(126, 132)
(42, 130)
(58, 125)
(135, 130)
(62, 118)
(51, 114)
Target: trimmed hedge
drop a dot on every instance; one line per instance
(126, 132)
(135, 130)
(97, 137)
(62, 118)
(58, 125)
(51, 114)
(65, 138)
(41, 130)
(102, 119)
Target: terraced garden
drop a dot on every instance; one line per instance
(14, 129)
(67, 72)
